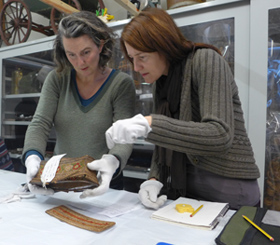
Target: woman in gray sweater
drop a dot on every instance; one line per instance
(81, 99)
(201, 145)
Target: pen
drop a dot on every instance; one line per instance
(195, 211)
(259, 228)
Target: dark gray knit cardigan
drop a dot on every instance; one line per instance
(210, 129)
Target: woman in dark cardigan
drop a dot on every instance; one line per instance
(202, 147)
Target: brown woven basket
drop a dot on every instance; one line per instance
(72, 175)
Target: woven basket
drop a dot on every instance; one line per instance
(72, 175)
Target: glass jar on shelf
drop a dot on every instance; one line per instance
(16, 77)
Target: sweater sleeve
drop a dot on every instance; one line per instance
(39, 129)
(210, 130)
(123, 102)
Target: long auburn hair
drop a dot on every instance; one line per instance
(154, 30)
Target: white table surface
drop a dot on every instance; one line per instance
(25, 222)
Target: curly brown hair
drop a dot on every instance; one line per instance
(79, 24)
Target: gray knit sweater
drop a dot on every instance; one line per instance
(80, 130)
(210, 129)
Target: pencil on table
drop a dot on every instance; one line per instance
(259, 228)
(195, 211)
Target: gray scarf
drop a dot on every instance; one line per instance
(173, 163)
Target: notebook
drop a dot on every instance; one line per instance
(239, 231)
(206, 218)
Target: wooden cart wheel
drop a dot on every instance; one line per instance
(56, 15)
(16, 22)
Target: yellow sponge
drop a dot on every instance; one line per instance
(182, 208)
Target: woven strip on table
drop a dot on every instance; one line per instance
(72, 175)
(74, 218)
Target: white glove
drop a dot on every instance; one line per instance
(21, 193)
(106, 166)
(148, 194)
(32, 164)
(126, 131)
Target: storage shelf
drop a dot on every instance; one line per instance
(12, 122)
(135, 174)
(19, 96)
(28, 62)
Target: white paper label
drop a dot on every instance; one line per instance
(50, 169)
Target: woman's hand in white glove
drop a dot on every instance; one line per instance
(126, 131)
(106, 167)
(32, 164)
(148, 194)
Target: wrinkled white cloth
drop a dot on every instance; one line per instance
(32, 164)
(21, 193)
(106, 167)
(126, 131)
(148, 194)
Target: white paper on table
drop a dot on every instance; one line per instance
(110, 204)
(206, 218)
(272, 218)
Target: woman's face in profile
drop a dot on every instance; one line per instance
(150, 65)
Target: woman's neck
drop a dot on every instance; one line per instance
(89, 85)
